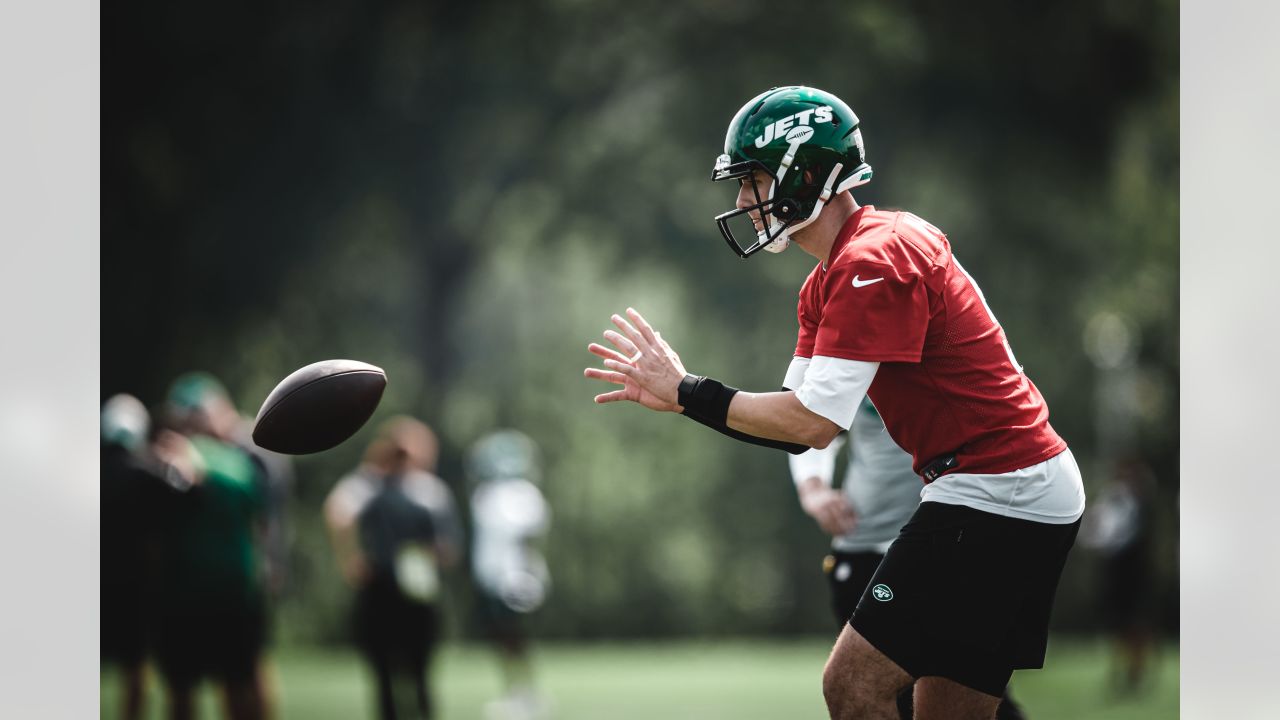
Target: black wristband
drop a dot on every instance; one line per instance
(720, 427)
(706, 397)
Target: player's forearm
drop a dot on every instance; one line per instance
(780, 416)
(722, 428)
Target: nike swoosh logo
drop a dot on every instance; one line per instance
(864, 283)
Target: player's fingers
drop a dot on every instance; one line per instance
(606, 353)
(627, 347)
(847, 519)
(833, 524)
(832, 519)
(606, 375)
(646, 330)
(613, 396)
(627, 329)
(622, 367)
(828, 525)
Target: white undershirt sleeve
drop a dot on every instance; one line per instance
(834, 387)
(813, 462)
(795, 373)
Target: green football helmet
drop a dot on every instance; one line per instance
(808, 141)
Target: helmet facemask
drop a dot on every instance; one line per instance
(776, 216)
(780, 218)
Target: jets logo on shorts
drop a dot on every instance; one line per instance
(882, 593)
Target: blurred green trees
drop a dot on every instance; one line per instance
(463, 192)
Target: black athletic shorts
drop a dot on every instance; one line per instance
(123, 609)
(223, 642)
(966, 595)
(394, 630)
(504, 626)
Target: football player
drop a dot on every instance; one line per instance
(964, 593)
(510, 518)
(212, 612)
(126, 537)
(393, 525)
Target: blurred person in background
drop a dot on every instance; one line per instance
(211, 606)
(222, 420)
(393, 526)
(1118, 527)
(879, 494)
(129, 484)
(509, 517)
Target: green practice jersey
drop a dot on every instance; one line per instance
(208, 533)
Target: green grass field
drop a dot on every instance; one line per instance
(677, 680)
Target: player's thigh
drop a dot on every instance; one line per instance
(937, 698)
(856, 667)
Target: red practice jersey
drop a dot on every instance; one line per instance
(948, 382)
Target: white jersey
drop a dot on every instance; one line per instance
(879, 483)
(509, 515)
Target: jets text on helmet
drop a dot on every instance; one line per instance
(778, 128)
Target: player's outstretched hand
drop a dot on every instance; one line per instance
(646, 367)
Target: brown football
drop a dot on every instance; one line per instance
(319, 406)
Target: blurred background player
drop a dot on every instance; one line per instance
(275, 471)
(879, 493)
(393, 526)
(127, 484)
(1119, 529)
(509, 516)
(274, 476)
(211, 614)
